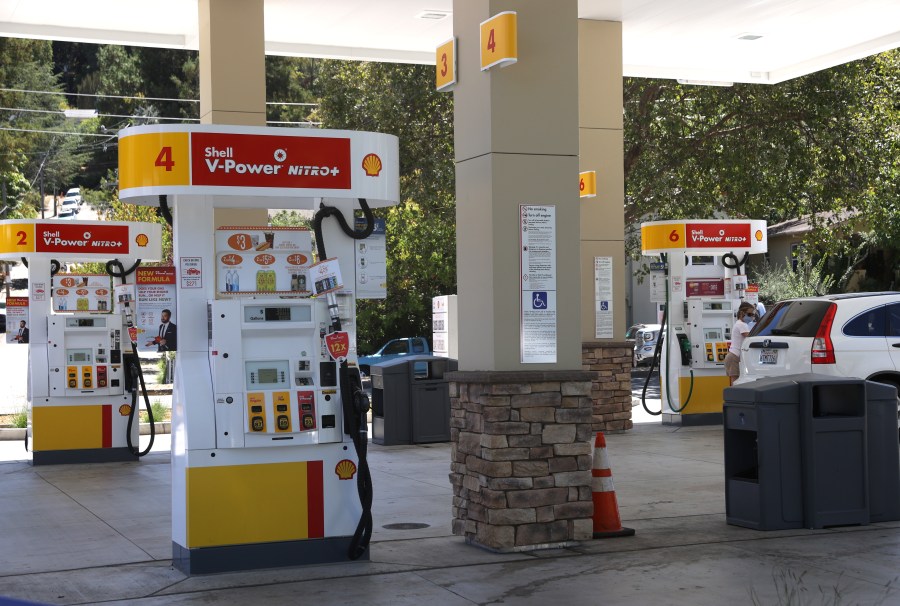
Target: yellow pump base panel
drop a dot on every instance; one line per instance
(92, 433)
(705, 404)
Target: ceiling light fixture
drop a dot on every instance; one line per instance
(434, 15)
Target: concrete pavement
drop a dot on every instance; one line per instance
(92, 534)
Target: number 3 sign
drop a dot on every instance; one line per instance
(445, 70)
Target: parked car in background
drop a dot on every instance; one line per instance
(75, 194)
(645, 343)
(848, 335)
(69, 204)
(393, 349)
(632, 330)
(67, 213)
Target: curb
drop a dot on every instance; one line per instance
(12, 433)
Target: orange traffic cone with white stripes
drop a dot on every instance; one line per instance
(607, 523)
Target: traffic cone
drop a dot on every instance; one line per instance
(607, 522)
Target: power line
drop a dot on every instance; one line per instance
(97, 95)
(57, 132)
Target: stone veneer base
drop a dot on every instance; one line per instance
(521, 446)
(610, 362)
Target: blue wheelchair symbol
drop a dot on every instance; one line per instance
(604, 305)
(539, 301)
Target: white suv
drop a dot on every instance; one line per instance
(848, 335)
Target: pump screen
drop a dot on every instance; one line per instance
(79, 357)
(268, 376)
(86, 322)
(285, 313)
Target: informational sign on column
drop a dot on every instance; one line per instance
(371, 262)
(537, 246)
(82, 292)
(658, 282)
(16, 314)
(191, 272)
(155, 294)
(603, 298)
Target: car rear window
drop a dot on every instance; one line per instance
(792, 319)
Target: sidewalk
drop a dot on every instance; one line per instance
(87, 534)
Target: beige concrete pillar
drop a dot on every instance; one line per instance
(516, 134)
(233, 77)
(601, 148)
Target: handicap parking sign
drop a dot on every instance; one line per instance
(539, 300)
(604, 305)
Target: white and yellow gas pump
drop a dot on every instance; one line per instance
(268, 419)
(704, 286)
(76, 395)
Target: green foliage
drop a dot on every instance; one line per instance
(421, 231)
(779, 282)
(20, 419)
(160, 412)
(824, 142)
(291, 218)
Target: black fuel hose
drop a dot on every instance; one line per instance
(355, 402)
(731, 261)
(137, 378)
(115, 269)
(163, 210)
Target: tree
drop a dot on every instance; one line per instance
(421, 231)
(812, 146)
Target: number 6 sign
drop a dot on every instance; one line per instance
(499, 40)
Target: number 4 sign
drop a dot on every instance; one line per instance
(499, 40)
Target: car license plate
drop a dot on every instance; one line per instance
(768, 356)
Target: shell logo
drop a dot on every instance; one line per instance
(125, 410)
(345, 469)
(232, 259)
(142, 240)
(372, 165)
(759, 235)
(297, 259)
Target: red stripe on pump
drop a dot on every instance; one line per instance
(107, 426)
(315, 494)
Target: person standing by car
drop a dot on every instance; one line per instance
(740, 330)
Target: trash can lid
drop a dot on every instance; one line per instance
(782, 389)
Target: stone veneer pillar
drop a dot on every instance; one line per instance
(521, 458)
(609, 363)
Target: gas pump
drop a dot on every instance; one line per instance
(704, 287)
(268, 415)
(76, 397)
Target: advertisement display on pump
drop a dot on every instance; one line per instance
(81, 399)
(705, 261)
(269, 430)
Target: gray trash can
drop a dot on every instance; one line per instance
(884, 452)
(411, 400)
(763, 475)
(835, 460)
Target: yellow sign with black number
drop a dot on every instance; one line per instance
(154, 159)
(16, 238)
(587, 184)
(445, 68)
(499, 40)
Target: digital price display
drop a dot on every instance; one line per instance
(277, 314)
(267, 376)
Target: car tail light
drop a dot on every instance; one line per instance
(822, 348)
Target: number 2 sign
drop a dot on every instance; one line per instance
(499, 40)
